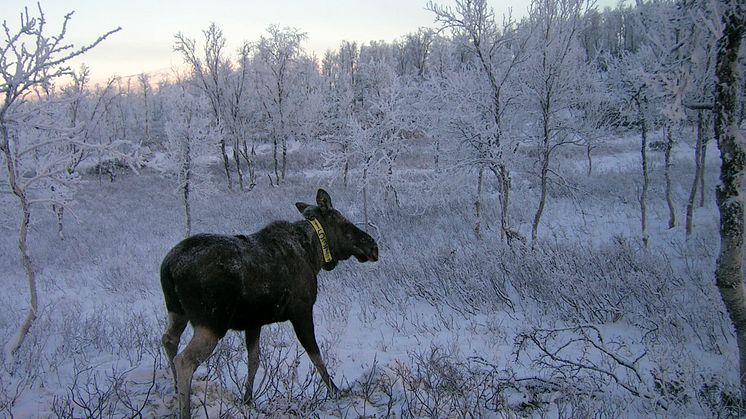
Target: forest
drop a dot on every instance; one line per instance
(548, 193)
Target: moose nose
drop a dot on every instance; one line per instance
(374, 254)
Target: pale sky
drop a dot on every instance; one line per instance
(145, 43)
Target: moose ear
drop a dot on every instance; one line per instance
(323, 199)
(301, 206)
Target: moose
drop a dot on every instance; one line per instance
(219, 283)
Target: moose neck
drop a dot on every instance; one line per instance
(323, 240)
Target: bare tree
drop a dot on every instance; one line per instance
(144, 80)
(235, 120)
(498, 51)
(729, 271)
(209, 74)
(186, 131)
(552, 79)
(35, 148)
(339, 72)
(275, 55)
(699, 168)
(640, 101)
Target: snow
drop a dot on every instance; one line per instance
(399, 325)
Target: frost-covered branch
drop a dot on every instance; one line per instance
(32, 61)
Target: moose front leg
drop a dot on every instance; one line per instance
(252, 347)
(303, 327)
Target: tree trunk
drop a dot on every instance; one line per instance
(478, 204)
(504, 202)
(697, 174)
(345, 171)
(588, 149)
(274, 157)
(237, 161)
(30, 277)
(645, 176)
(187, 169)
(705, 140)
(729, 270)
(226, 163)
(249, 164)
(390, 188)
(543, 195)
(284, 158)
(669, 193)
(346, 165)
(365, 195)
(20, 193)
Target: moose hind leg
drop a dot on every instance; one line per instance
(304, 331)
(197, 351)
(252, 347)
(170, 340)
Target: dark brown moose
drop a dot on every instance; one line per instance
(218, 283)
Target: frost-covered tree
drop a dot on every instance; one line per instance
(498, 51)
(236, 117)
(336, 115)
(413, 52)
(368, 116)
(147, 93)
(674, 37)
(700, 56)
(274, 61)
(187, 131)
(635, 103)
(384, 108)
(552, 76)
(209, 71)
(732, 143)
(38, 152)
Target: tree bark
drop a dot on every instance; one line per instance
(544, 176)
(697, 174)
(277, 163)
(237, 160)
(705, 139)
(729, 269)
(478, 204)
(365, 195)
(226, 163)
(247, 156)
(639, 100)
(20, 193)
(669, 193)
(187, 168)
(504, 202)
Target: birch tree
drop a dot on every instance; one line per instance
(236, 118)
(35, 147)
(209, 71)
(634, 98)
(498, 51)
(187, 131)
(551, 78)
(732, 143)
(274, 59)
(336, 118)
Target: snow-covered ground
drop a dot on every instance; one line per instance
(587, 323)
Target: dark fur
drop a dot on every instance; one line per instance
(219, 283)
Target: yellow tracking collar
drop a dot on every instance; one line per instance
(322, 238)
